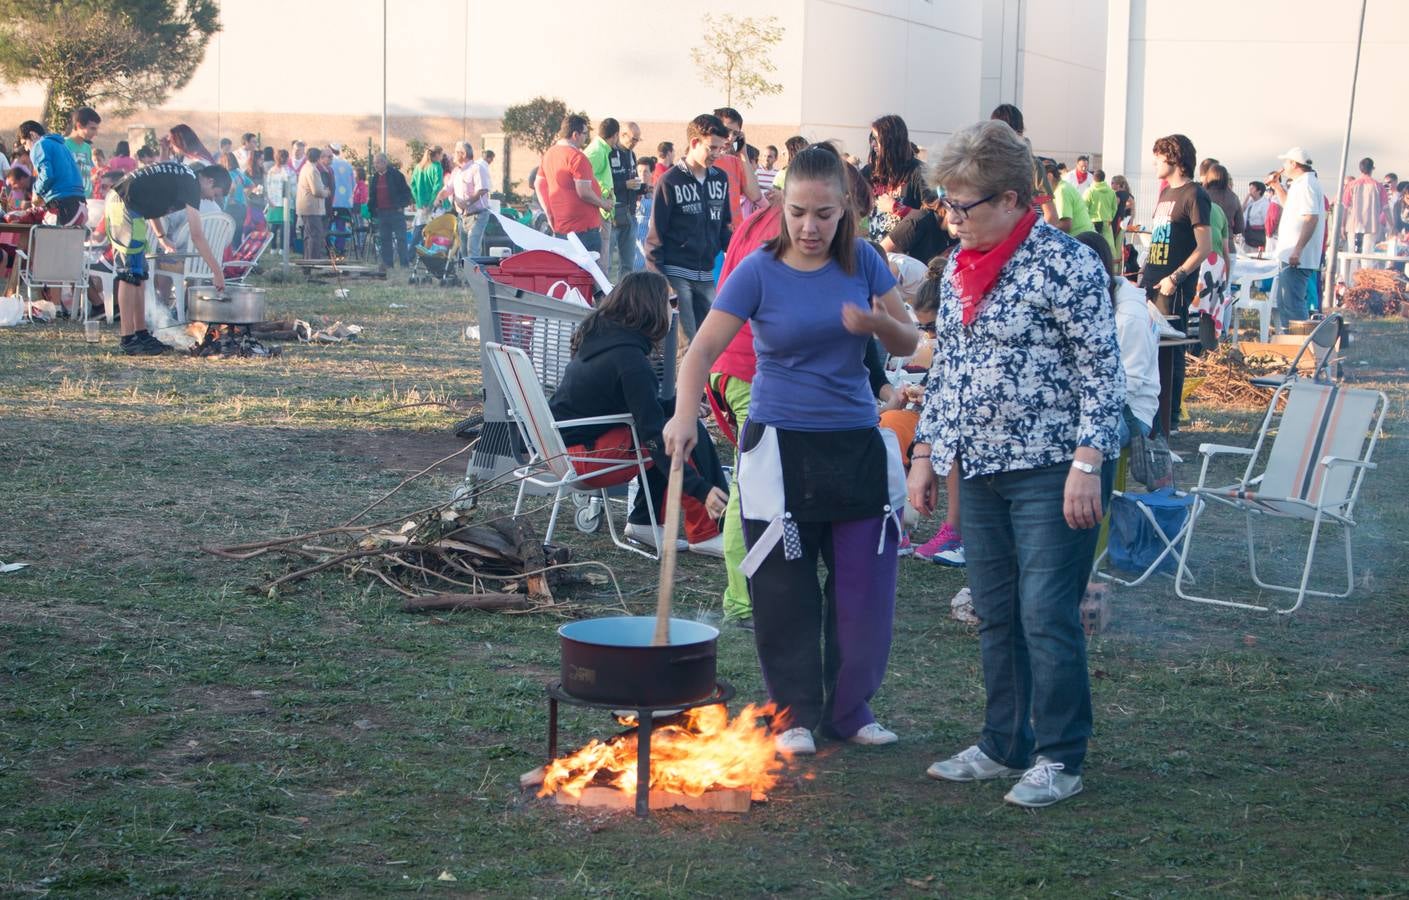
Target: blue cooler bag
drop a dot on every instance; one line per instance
(1134, 543)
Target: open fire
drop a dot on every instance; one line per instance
(696, 752)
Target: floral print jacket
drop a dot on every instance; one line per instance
(1037, 374)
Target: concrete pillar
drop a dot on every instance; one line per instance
(1124, 86)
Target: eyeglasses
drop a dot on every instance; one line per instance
(929, 328)
(958, 212)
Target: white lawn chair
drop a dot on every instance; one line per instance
(549, 466)
(190, 268)
(1322, 344)
(1324, 440)
(101, 269)
(53, 258)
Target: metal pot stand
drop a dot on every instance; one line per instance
(645, 724)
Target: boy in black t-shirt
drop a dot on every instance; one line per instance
(134, 209)
(1179, 241)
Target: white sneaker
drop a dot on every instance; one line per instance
(712, 547)
(874, 735)
(795, 742)
(651, 536)
(970, 765)
(1044, 784)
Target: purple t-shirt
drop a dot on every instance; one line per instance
(811, 372)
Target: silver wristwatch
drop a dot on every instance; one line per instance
(1085, 467)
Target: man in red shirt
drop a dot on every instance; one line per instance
(568, 190)
(743, 182)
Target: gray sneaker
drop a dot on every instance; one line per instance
(970, 765)
(1043, 785)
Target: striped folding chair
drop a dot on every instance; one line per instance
(551, 467)
(1322, 442)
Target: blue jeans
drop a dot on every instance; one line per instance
(1292, 285)
(1027, 572)
(474, 224)
(694, 299)
(623, 243)
(591, 239)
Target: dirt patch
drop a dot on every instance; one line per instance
(403, 451)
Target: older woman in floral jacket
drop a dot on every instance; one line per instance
(1025, 397)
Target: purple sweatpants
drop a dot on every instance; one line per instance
(823, 647)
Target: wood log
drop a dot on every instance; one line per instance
(723, 800)
(451, 602)
(527, 547)
(532, 778)
(484, 536)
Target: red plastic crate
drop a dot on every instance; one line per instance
(539, 270)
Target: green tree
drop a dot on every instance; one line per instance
(737, 56)
(536, 122)
(119, 55)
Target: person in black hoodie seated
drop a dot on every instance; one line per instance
(611, 372)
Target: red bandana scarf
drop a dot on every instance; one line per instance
(976, 271)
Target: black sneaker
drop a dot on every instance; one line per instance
(142, 344)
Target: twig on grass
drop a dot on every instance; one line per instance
(377, 502)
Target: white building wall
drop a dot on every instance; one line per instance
(937, 63)
(919, 59)
(1062, 72)
(1283, 70)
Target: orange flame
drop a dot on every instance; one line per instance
(704, 751)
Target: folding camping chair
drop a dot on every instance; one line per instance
(1324, 440)
(1322, 344)
(1145, 534)
(549, 466)
(54, 257)
(247, 256)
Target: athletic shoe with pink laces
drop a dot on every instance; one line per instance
(906, 548)
(945, 548)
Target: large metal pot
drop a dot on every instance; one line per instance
(612, 660)
(239, 305)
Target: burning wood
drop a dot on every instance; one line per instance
(702, 753)
(231, 341)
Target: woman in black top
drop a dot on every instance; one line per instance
(895, 174)
(610, 373)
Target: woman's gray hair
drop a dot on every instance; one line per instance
(989, 157)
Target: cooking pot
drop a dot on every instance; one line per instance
(239, 305)
(612, 660)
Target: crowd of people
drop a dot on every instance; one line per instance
(1015, 292)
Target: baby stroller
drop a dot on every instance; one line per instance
(438, 252)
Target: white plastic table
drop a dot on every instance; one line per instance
(1246, 270)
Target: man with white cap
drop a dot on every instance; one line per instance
(1300, 233)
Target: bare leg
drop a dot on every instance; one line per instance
(951, 486)
(131, 306)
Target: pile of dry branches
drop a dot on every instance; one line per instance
(1227, 375)
(1378, 292)
(442, 557)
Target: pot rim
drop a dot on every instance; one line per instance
(641, 629)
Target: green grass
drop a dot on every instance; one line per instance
(163, 731)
